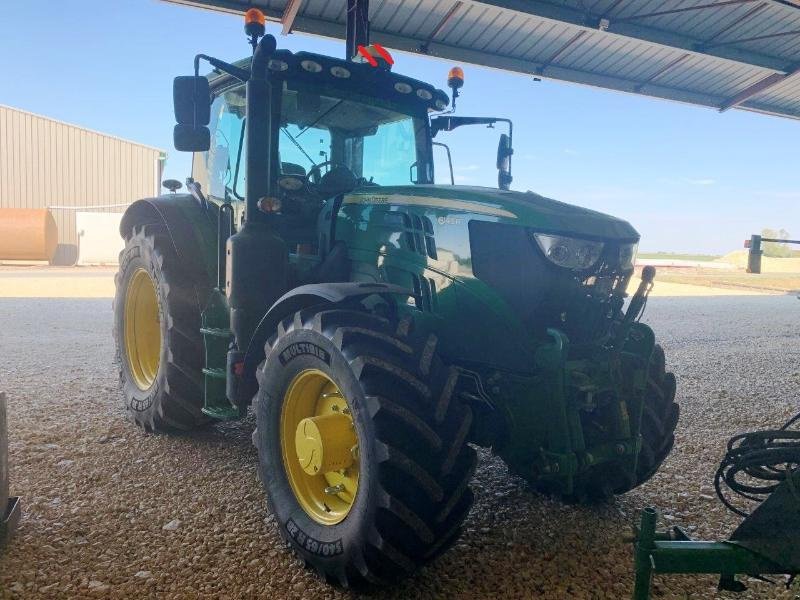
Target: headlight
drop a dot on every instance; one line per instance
(627, 254)
(568, 252)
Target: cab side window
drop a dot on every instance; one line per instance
(225, 158)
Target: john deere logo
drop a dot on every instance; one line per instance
(301, 348)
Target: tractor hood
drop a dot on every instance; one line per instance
(520, 208)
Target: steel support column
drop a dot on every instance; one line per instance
(357, 33)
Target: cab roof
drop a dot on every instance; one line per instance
(361, 78)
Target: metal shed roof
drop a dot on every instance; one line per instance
(716, 53)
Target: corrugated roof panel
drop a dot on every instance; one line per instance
(785, 93)
(603, 49)
(521, 29)
(548, 42)
(705, 24)
(509, 30)
(535, 30)
(469, 19)
(571, 47)
(394, 14)
(774, 45)
(421, 19)
(493, 25)
(426, 21)
(729, 81)
(698, 55)
(760, 24)
(643, 67)
(713, 79)
(789, 48)
(317, 9)
(409, 17)
(490, 20)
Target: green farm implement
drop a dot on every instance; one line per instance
(762, 467)
(379, 324)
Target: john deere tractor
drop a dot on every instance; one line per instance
(380, 325)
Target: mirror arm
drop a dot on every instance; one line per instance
(449, 160)
(510, 142)
(450, 123)
(196, 191)
(232, 70)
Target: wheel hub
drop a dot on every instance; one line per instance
(142, 329)
(319, 445)
(325, 443)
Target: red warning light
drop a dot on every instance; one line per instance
(384, 53)
(367, 56)
(373, 52)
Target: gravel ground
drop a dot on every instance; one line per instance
(111, 512)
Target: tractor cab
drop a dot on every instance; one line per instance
(333, 126)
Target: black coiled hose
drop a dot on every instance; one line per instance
(756, 463)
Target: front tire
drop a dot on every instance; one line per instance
(659, 420)
(157, 334)
(660, 416)
(413, 465)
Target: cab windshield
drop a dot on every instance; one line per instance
(379, 144)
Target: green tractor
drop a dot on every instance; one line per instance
(380, 325)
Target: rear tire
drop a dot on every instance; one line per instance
(414, 466)
(167, 394)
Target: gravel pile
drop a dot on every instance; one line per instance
(110, 512)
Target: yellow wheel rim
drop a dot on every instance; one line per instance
(319, 445)
(142, 329)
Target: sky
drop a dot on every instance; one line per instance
(689, 179)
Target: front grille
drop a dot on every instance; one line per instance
(541, 293)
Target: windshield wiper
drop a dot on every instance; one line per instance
(322, 116)
(299, 147)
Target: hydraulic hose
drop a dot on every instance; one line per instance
(756, 463)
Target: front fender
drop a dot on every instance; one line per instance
(305, 296)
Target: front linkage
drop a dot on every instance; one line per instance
(586, 405)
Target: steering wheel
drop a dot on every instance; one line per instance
(338, 178)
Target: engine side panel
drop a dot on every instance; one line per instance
(426, 249)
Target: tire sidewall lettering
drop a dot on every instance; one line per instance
(311, 350)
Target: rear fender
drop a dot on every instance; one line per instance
(191, 229)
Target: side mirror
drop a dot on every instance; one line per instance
(191, 97)
(191, 139)
(504, 152)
